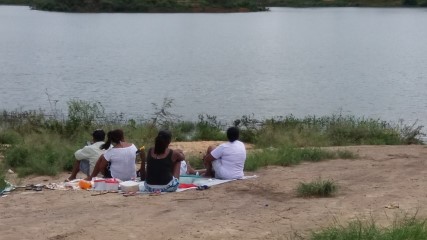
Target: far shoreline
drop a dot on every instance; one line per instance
(196, 6)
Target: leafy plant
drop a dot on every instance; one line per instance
(249, 127)
(83, 114)
(209, 128)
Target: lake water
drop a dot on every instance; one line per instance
(368, 62)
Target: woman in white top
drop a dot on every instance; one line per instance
(228, 159)
(118, 161)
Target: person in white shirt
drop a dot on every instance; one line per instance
(87, 156)
(118, 161)
(228, 159)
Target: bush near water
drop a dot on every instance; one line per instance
(43, 142)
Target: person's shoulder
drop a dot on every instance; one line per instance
(96, 145)
(225, 144)
(237, 143)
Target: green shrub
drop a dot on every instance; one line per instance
(41, 155)
(183, 130)
(83, 115)
(209, 128)
(9, 137)
(317, 188)
(249, 128)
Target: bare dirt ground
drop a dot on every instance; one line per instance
(266, 207)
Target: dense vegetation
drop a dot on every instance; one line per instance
(15, 2)
(199, 5)
(43, 142)
(147, 6)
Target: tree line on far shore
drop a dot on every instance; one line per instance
(142, 6)
(199, 5)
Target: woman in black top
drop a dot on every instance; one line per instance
(163, 165)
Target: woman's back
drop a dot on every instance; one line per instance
(122, 162)
(159, 170)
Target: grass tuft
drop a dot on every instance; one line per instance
(317, 188)
(401, 229)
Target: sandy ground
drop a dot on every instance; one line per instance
(262, 208)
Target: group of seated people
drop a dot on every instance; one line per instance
(160, 165)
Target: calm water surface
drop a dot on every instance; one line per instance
(317, 61)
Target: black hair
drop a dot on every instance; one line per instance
(162, 141)
(114, 136)
(98, 135)
(232, 134)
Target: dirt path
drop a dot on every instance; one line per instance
(262, 208)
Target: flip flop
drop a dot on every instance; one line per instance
(202, 187)
(156, 193)
(129, 194)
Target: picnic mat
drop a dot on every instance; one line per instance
(196, 182)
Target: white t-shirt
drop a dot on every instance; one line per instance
(122, 162)
(230, 160)
(90, 153)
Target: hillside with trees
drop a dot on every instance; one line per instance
(149, 5)
(199, 5)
